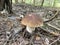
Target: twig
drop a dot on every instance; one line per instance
(31, 40)
(53, 26)
(7, 40)
(52, 17)
(8, 37)
(51, 32)
(55, 40)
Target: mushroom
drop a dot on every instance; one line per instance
(37, 38)
(31, 21)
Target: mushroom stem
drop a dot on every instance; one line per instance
(30, 29)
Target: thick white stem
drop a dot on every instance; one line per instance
(30, 29)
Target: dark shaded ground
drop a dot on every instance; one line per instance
(12, 32)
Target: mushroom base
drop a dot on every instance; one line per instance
(30, 29)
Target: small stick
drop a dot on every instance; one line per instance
(53, 26)
(51, 32)
(52, 17)
(55, 40)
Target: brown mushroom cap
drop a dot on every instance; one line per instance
(32, 20)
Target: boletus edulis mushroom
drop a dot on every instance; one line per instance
(31, 21)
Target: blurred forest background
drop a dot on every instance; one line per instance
(50, 3)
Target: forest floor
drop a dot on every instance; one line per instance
(12, 32)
